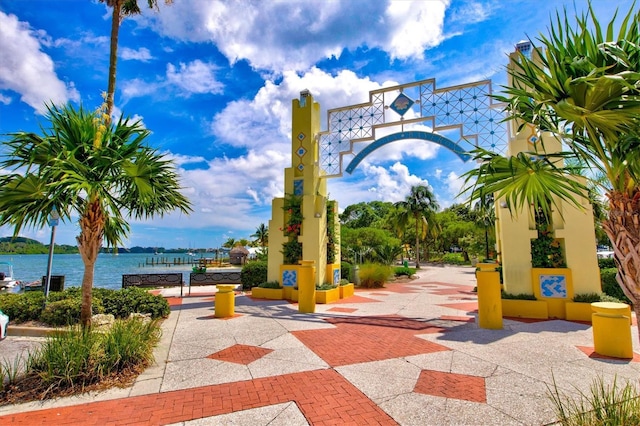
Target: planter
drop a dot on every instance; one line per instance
(332, 273)
(346, 290)
(294, 295)
(328, 296)
(578, 311)
(267, 293)
(536, 309)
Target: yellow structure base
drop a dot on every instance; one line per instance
(328, 296)
(578, 311)
(267, 293)
(346, 290)
(536, 309)
(307, 287)
(489, 303)
(611, 330)
(225, 301)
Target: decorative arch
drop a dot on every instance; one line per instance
(426, 136)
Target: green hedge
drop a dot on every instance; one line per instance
(253, 274)
(606, 263)
(346, 271)
(610, 286)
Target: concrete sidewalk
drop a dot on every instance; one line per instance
(410, 354)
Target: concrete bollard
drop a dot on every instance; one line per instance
(307, 287)
(489, 297)
(225, 302)
(611, 329)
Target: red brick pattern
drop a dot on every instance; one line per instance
(174, 301)
(366, 339)
(240, 354)
(591, 353)
(455, 318)
(357, 299)
(345, 310)
(451, 385)
(323, 396)
(467, 307)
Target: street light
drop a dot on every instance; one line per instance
(54, 219)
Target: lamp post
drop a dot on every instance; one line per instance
(54, 219)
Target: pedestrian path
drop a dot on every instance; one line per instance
(409, 354)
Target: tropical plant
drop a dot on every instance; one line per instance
(261, 235)
(230, 243)
(121, 8)
(81, 166)
(421, 205)
(292, 248)
(581, 86)
(331, 232)
(486, 217)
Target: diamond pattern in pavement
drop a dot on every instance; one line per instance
(240, 354)
(451, 385)
(366, 339)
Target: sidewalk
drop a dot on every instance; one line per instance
(408, 354)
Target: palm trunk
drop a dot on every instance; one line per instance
(623, 229)
(89, 243)
(113, 56)
(417, 246)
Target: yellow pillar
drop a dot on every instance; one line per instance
(611, 329)
(489, 298)
(225, 301)
(307, 287)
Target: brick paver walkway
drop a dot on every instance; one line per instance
(323, 396)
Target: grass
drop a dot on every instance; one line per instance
(374, 275)
(76, 360)
(604, 405)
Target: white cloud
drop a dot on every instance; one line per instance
(196, 77)
(26, 70)
(143, 54)
(6, 100)
(281, 35)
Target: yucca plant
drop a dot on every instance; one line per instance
(581, 84)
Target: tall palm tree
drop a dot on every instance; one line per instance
(421, 205)
(79, 166)
(583, 88)
(261, 235)
(121, 8)
(230, 243)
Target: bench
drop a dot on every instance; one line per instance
(153, 280)
(213, 278)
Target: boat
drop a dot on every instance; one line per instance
(6, 275)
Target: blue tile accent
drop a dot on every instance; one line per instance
(336, 276)
(298, 186)
(289, 277)
(553, 286)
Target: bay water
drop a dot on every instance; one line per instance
(109, 268)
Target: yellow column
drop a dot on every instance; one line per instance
(307, 287)
(611, 329)
(225, 301)
(489, 297)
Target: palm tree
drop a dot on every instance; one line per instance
(261, 235)
(79, 166)
(584, 88)
(230, 243)
(486, 217)
(121, 8)
(421, 205)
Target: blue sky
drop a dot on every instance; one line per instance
(214, 80)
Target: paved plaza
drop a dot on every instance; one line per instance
(407, 354)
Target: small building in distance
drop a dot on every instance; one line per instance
(238, 255)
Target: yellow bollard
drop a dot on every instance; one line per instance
(307, 287)
(225, 301)
(489, 299)
(611, 329)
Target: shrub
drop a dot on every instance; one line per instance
(587, 298)
(453, 259)
(67, 311)
(325, 286)
(22, 307)
(253, 274)
(606, 263)
(346, 271)
(610, 286)
(129, 343)
(402, 270)
(270, 284)
(122, 303)
(374, 275)
(520, 296)
(344, 281)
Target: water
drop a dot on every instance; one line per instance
(108, 268)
